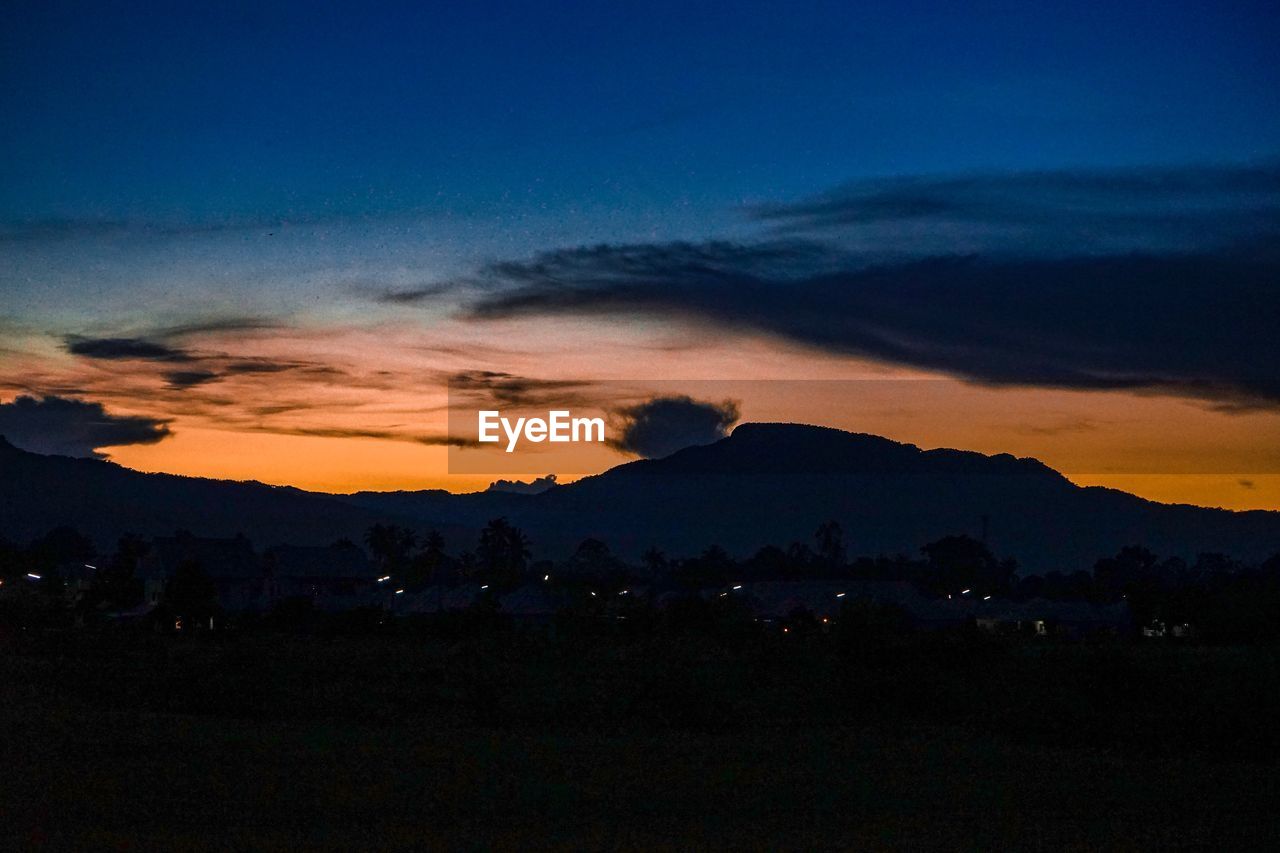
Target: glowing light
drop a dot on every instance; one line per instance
(964, 592)
(399, 592)
(484, 586)
(986, 598)
(546, 577)
(839, 595)
(87, 566)
(384, 578)
(33, 576)
(738, 586)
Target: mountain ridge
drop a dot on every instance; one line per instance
(765, 483)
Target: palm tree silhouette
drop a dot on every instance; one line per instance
(391, 546)
(503, 552)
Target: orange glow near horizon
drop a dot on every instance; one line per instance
(341, 465)
(358, 407)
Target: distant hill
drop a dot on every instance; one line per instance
(775, 483)
(764, 484)
(104, 500)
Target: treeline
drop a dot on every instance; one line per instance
(502, 559)
(1218, 596)
(40, 567)
(1215, 595)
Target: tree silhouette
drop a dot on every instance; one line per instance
(1133, 565)
(769, 563)
(957, 563)
(801, 556)
(503, 553)
(427, 565)
(593, 559)
(655, 562)
(712, 567)
(60, 545)
(391, 546)
(830, 539)
(468, 568)
(116, 583)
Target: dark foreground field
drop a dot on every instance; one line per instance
(502, 739)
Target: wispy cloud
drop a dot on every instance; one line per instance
(118, 349)
(506, 389)
(199, 366)
(217, 324)
(189, 378)
(1067, 427)
(411, 295)
(1054, 212)
(431, 440)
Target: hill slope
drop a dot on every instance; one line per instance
(775, 483)
(764, 484)
(105, 500)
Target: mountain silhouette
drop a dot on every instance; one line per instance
(763, 484)
(105, 500)
(775, 483)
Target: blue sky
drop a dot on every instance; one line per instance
(630, 118)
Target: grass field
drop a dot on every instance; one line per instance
(281, 742)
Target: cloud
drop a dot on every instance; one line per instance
(710, 261)
(236, 366)
(412, 295)
(660, 426)
(1195, 325)
(216, 325)
(519, 487)
(125, 348)
(189, 378)
(387, 435)
(508, 389)
(1247, 484)
(1062, 312)
(64, 426)
(1077, 425)
(198, 367)
(1151, 209)
(775, 255)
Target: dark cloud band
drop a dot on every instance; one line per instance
(125, 348)
(64, 426)
(189, 368)
(1052, 308)
(1199, 325)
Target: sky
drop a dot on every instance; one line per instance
(260, 241)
